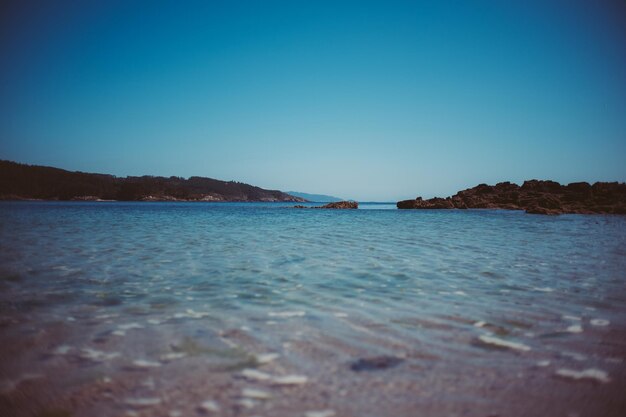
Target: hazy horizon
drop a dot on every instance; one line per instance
(372, 101)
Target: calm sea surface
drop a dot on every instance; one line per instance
(183, 309)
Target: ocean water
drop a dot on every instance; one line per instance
(250, 309)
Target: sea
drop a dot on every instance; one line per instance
(260, 309)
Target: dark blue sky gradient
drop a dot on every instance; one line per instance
(366, 100)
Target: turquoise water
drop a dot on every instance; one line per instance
(158, 308)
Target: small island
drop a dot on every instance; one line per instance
(534, 197)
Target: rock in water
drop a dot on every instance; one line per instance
(433, 203)
(342, 205)
(535, 197)
(377, 363)
(337, 205)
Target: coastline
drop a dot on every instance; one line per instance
(26, 182)
(534, 197)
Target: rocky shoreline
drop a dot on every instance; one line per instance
(534, 197)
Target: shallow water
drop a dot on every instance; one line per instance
(202, 308)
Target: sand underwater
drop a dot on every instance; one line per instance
(183, 309)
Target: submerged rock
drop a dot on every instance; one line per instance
(377, 363)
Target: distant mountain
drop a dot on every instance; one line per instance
(319, 198)
(20, 181)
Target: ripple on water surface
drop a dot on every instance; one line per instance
(219, 308)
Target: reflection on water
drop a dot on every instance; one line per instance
(259, 309)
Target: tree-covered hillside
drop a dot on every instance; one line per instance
(20, 181)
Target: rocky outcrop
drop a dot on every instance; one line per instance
(433, 203)
(341, 205)
(337, 205)
(535, 197)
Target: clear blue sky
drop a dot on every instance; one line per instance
(366, 100)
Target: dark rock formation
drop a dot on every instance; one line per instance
(25, 182)
(433, 203)
(535, 197)
(341, 205)
(337, 205)
(377, 363)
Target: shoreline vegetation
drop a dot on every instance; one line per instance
(534, 197)
(33, 182)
